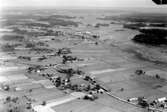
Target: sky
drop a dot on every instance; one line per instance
(77, 3)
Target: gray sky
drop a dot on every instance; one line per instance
(79, 3)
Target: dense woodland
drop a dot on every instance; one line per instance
(154, 37)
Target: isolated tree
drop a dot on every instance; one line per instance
(30, 90)
(43, 103)
(157, 76)
(8, 99)
(122, 89)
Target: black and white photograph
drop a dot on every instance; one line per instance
(83, 55)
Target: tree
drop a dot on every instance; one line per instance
(30, 90)
(157, 76)
(122, 89)
(43, 103)
(8, 99)
(87, 78)
(97, 87)
(29, 106)
(87, 88)
(96, 43)
(75, 87)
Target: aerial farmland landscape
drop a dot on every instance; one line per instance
(83, 60)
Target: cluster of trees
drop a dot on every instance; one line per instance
(14, 104)
(90, 97)
(138, 17)
(37, 24)
(68, 58)
(40, 50)
(62, 16)
(30, 45)
(34, 45)
(59, 20)
(42, 58)
(35, 68)
(135, 26)
(13, 37)
(53, 33)
(70, 72)
(25, 58)
(140, 72)
(153, 37)
(8, 47)
(64, 51)
(142, 102)
(101, 24)
(161, 32)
